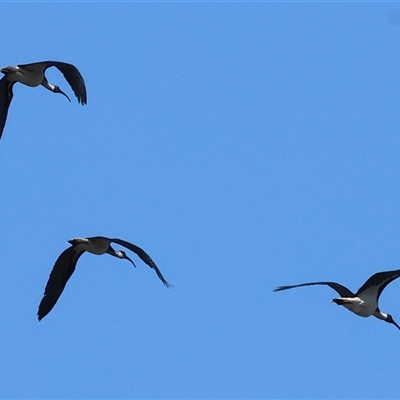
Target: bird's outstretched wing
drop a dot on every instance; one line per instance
(61, 272)
(342, 290)
(70, 72)
(6, 95)
(380, 279)
(143, 256)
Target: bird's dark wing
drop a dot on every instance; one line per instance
(70, 72)
(61, 272)
(381, 279)
(342, 290)
(74, 78)
(6, 95)
(143, 256)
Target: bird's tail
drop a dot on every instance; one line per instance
(341, 302)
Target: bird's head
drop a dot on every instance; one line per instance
(390, 319)
(122, 255)
(56, 89)
(119, 254)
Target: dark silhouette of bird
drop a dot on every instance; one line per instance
(34, 75)
(365, 302)
(65, 265)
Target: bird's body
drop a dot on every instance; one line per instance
(33, 75)
(65, 265)
(365, 301)
(358, 305)
(30, 77)
(95, 245)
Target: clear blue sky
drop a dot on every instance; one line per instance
(242, 145)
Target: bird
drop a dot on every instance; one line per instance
(66, 263)
(365, 301)
(34, 75)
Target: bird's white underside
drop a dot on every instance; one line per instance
(26, 77)
(98, 245)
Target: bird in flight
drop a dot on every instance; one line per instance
(66, 263)
(365, 302)
(34, 75)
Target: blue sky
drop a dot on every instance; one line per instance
(243, 146)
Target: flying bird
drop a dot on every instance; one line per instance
(66, 263)
(365, 302)
(34, 75)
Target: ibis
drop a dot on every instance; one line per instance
(66, 263)
(34, 75)
(365, 302)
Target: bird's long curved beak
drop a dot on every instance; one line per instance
(119, 254)
(395, 324)
(127, 258)
(61, 92)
